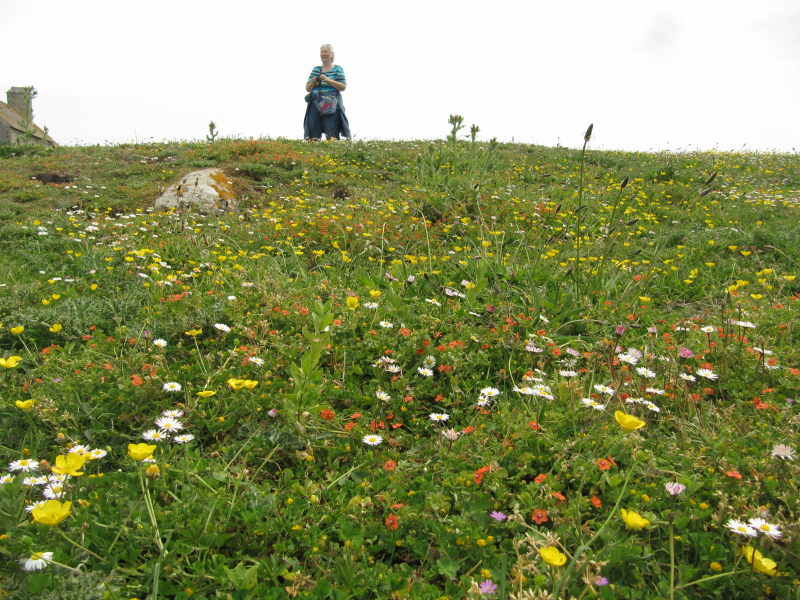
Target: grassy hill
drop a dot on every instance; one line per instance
(433, 369)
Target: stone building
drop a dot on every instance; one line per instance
(16, 119)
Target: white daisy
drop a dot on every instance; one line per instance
(707, 373)
(429, 362)
(173, 413)
(79, 449)
(650, 406)
(741, 528)
(628, 358)
(54, 491)
(31, 481)
(26, 465)
(256, 361)
(566, 373)
(34, 505)
(646, 373)
(7, 478)
(542, 391)
(393, 369)
(172, 386)
(745, 324)
(96, 453)
(183, 438)
(592, 403)
(160, 343)
(604, 389)
(767, 529)
(425, 372)
(386, 324)
(432, 301)
(154, 435)
(36, 561)
(490, 392)
(383, 396)
(687, 377)
(222, 327)
(372, 439)
(438, 417)
(168, 424)
(371, 305)
(655, 391)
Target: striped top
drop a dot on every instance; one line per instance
(336, 73)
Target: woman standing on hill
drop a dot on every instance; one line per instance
(324, 108)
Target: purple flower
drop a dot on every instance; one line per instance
(686, 353)
(487, 588)
(600, 580)
(619, 330)
(498, 516)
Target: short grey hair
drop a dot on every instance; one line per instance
(329, 47)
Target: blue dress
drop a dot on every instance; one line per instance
(333, 126)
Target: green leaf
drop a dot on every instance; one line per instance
(448, 567)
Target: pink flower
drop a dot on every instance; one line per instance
(686, 353)
(674, 488)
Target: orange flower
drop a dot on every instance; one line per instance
(603, 464)
(136, 380)
(596, 502)
(389, 465)
(327, 414)
(539, 516)
(540, 478)
(734, 474)
(534, 425)
(392, 522)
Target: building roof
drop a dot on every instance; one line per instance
(16, 121)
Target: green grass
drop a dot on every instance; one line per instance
(546, 274)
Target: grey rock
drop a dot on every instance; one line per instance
(206, 191)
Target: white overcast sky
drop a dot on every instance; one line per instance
(650, 74)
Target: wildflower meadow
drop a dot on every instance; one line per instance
(450, 369)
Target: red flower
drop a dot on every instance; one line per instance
(539, 516)
(327, 414)
(534, 425)
(596, 502)
(478, 477)
(540, 478)
(560, 497)
(136, 380)
(389, 465)
(392, 522)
